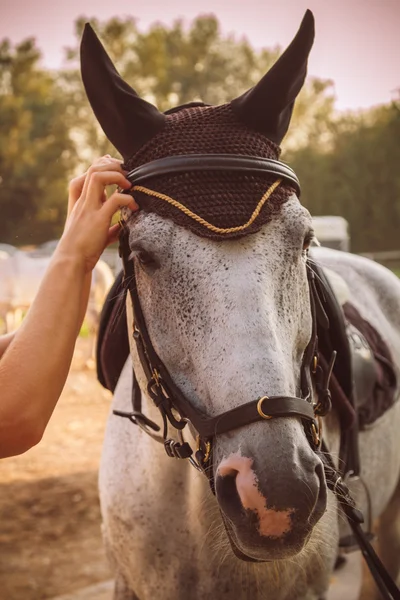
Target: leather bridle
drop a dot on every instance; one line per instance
(177, 411)
(165, 394)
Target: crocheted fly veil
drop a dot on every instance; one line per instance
(211, 204)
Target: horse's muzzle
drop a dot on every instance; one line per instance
(268, 519)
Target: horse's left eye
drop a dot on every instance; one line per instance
(307, 240)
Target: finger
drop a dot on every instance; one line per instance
(105, 158)
(97, 183)
(74, 190)
(113, 234)
(117, 201)
(102, 164)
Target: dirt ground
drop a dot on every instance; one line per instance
(50, 539)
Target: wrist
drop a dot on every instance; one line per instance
(71, 261)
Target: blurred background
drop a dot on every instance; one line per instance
(343, 143)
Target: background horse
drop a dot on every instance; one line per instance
(230, 317)
(20, 278)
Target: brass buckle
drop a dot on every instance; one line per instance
(207, 447)
(260, 410)
(156, 377)
(317, 433)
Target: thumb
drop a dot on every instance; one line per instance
(117, 201)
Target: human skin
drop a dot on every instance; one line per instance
(35, 360)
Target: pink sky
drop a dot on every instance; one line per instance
(357, 41)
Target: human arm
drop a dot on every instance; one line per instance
(5, 341)
(34, 368)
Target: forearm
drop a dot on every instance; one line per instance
(5, 341)
(34, 369)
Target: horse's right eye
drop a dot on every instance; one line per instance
(146, 260)
(309, 238)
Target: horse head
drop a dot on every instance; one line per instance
(225, 298)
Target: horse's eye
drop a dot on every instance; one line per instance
(307, 240)
(146, 260)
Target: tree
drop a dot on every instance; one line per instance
(357, 177)
(36, 153)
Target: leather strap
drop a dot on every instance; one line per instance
(274, 406)
(214, 162)
(384, 582)
(166, 395)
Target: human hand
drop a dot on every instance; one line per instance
(87, 230)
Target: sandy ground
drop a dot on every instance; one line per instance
(345, 585)
(50, 541)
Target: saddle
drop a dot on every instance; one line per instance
(112, 348)
(363, 383)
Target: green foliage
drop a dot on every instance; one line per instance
(36, 154)
(357, 177)
(348, 166)
(85, 331)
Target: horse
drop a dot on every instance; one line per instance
(20, 276)
(232, 319)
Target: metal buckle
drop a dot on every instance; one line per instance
(173, 448)
(207, 445)
(260, 410)
(314, 364)
(317, 432)
(157, 377)
(192, 461)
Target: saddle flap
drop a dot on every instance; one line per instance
(112, 348)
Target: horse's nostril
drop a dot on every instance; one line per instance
(227, 494)
(227, 471)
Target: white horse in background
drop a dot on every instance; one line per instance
(7, 250)
(20, 278)
(102, 280)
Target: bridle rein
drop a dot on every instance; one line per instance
(177, 411)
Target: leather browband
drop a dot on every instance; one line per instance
(214, 162)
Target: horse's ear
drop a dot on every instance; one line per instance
(268, 106)
(127, 120)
